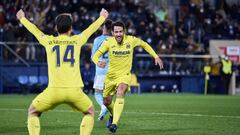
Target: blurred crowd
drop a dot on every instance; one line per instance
(197, 22)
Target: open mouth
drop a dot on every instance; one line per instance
(119, 38)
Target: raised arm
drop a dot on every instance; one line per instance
(94, 26)
(30, 27)
(149, 49)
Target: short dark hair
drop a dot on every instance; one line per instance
(63, 22)
(118, 23)
(108, 25)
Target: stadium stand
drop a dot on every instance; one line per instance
(181, 27)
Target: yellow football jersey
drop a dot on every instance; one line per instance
(63, 54)
(121, 55)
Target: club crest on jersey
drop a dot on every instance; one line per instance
(113, 46)
(127, 46)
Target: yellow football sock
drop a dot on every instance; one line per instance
(117, 110)
(110, 107)
(86, 125)
(33, 125)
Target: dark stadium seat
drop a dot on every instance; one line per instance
(43, 80)
(35, 85)
(23, 79)
(33, 80)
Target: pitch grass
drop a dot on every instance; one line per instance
(146, 114)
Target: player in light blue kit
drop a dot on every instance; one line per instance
(101, 72)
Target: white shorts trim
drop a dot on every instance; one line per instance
(99, 82)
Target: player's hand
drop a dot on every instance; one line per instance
(104, 13)
(101, 64)
(20, 14)
(159, 62)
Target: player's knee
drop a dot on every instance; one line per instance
(91, 111)
(33, 112)
(106, 102)
(120, 93)
(122, 88)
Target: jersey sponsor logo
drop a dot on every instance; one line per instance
(121, 52)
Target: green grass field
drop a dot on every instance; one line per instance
(146, 114)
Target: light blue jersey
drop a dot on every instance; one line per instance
(96, 44)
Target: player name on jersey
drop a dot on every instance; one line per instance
(62, 42)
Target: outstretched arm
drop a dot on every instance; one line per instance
(149, 49)
(30, 27)
(94, 26)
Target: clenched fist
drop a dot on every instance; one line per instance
(20, 14)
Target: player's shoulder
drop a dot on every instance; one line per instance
(51, 36)
(76, 36)
(130, 37)
(109, 39)
(45, 38)
(107, 36)
(43, 35)
(97, 39)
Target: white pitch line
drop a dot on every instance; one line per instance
(187, 114)
(143, 113)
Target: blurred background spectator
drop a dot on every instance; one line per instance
(183, 27)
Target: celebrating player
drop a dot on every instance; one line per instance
(65, 82)
(120, 51)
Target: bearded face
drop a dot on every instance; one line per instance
(118, 33)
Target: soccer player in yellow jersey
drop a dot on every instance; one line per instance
(65, 82)
(120, 52)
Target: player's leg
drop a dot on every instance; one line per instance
(33, 121)
(87, 122)
(107, 101)
(81, 102)
(119, 103)
(43, 102)
(108, 92)
(99, 98)
(109, 104)
(118, 106)
(98, 86)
